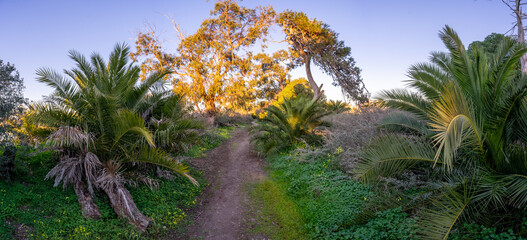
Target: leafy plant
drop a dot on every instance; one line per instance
(475, 135)
(290, 123)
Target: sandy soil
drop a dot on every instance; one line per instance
(221, 210)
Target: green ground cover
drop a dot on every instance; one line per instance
(31, 207)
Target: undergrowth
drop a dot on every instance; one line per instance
(32, 208)
(328, 199)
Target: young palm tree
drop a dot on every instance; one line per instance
(337, 106)
(293, 121)
(97, 122)
(473, 111)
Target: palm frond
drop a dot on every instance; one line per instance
(404, 122)
(390, 155)
(455, 125)
(405, 100)
(438, 221)
(159, 158)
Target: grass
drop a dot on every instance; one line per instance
(279, 218)
(40, 211)
(210, 139)
(328, 200)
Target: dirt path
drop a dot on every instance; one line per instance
(221, 210)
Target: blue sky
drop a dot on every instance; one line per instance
(385, 36)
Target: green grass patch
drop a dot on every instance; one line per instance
(54, 213)
(280, 217)
(329, 200)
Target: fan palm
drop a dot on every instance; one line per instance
(96, 115)
(292, 121)
(474, 108)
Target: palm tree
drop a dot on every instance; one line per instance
(337, 106)
(471, 111)
(96, 115)
(292, 121)
(165, 115)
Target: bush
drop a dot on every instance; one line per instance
(350, 132)
(7, 162)
(13, 160)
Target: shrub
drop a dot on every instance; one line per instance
(350, 132)
(7, 162)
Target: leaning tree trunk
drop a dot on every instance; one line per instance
(316, 89)
(89, 208)
(123, 204)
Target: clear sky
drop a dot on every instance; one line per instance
(386, 36)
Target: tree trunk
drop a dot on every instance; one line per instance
(521, 33)
(210, 111)
(312, 83)
(123, 204)
(88, 206)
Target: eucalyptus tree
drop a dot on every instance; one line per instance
(315, 42)
(211, 66)
(471, 112)
(96, 114)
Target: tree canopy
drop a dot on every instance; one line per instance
(315, 42)
(213, 65)
(11, 98)
(217, 67)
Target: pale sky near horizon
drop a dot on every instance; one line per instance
(385, 36)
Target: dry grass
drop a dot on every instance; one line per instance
(351, 132)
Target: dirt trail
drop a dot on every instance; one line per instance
(220, 211)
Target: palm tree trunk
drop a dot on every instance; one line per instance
(89, 208)
(312, 83)
(123, 204)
